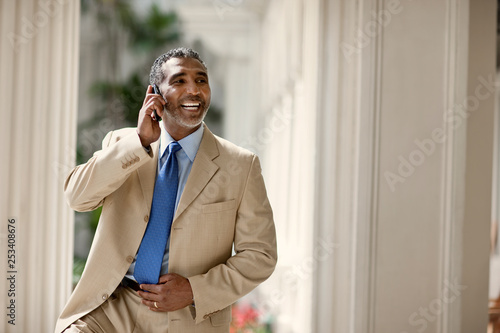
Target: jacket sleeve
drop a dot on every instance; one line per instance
(255, 252)
(88, 184)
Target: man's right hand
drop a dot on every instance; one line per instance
(148, 129)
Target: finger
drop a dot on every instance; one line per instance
(159, 109)
(162, 100)
(158, 98)
(152, 289)
(167, 277)
(157, 102)
(152, 307)
(151, 97)
(149, 300)
(155, 109)
(151, 105)
(148, 296)
(148, 92)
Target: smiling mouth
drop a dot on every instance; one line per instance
(191, 106)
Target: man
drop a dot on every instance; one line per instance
(218, 201)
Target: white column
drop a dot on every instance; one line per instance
(38, 89)
(404, 178)
(381, 179)
(289, 71)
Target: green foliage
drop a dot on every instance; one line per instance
(78, 266)
(119, 99)
(159, 29)
(94, 219)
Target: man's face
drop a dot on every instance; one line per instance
(187, 93)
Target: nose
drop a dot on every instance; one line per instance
(193, 89)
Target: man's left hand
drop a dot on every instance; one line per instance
(173, 292)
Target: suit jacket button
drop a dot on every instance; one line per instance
(124, 166)
(130, 259)
(146, 218)
(137, 159)
(105, 297)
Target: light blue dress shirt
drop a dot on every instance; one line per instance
(185, 158)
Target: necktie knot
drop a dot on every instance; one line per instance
(173, 147)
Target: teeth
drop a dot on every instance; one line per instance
(191, 104)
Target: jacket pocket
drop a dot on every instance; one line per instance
(218, 206)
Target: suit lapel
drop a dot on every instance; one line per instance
(202, 171)
(147, 175)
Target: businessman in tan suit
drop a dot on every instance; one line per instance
(221, 202)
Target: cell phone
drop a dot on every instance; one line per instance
(156, 91)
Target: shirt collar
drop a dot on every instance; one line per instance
(189, 144)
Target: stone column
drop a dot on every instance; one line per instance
(405, 158)
(290, 66)
(39, 50)
(381, 177)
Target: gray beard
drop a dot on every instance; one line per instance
(179, 120)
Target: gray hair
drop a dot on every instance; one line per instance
(156, 76)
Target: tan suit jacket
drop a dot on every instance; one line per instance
(224, 202)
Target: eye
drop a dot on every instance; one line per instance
(179, 81)
(202, 80)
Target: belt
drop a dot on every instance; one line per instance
(126, 282)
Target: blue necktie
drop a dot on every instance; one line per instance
(150, 255)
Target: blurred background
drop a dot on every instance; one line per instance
(377, 123)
